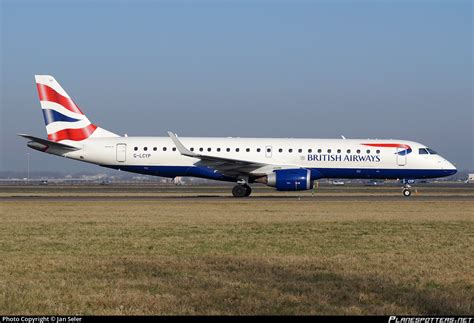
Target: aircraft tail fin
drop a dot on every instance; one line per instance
(63, 118)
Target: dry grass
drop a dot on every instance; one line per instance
(237, 257)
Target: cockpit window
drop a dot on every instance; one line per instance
(432, 152)
(423, 151)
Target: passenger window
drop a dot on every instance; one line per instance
(269, 150)
(247, 150)
(154, 148)
(227, 149)
(300, 150)
(145, 148)
(338, 151)
(280, 150)
(358, 151)
(174, 149)
(310, 151)
(218, 149)
(201, 149)
(258, 150)
(192, 149)
(237, 149)
(136, 148)
(164, 148)
(368, 151)
(329, 151)
(377, 151)
(208, 149)
(290, 150)
(423, 151)
(319, 150)
(348, 151)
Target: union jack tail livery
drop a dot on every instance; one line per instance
(63, 118)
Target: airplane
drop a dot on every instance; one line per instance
(283, 163)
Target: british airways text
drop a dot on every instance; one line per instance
(349, 158)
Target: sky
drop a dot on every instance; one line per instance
(312, 69)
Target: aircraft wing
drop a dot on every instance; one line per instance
(227, 166)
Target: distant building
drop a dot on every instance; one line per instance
(470, 178)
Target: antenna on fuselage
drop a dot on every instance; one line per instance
(343, 137)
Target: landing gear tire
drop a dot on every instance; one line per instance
(249, 190)
(241, 191)
(406, 192)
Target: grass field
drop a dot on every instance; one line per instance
(227, 256)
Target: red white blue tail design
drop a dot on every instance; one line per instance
(63, 118)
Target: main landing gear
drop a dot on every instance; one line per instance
(241, 190)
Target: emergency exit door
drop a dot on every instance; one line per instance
(268, 151)
(401, 156)
(121, 152)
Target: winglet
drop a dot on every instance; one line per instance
(181, 148)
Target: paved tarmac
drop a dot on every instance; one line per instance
(78, 193)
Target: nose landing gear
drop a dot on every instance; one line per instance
(406, 189)
(406, 192)
(241, 190)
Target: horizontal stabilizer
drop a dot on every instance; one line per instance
(44, 144)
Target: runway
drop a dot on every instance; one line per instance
(209, 198)
(188, 194)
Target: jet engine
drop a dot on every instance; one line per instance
(290, 179)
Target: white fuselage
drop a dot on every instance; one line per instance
(335, 158)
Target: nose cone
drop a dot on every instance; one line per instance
(450, 168)
(451, 171)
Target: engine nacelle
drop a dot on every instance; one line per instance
(290, 179)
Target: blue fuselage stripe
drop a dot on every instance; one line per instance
(316, 173)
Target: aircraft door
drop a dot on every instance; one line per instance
(121, 152)
(401, 157)
(268, 151)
